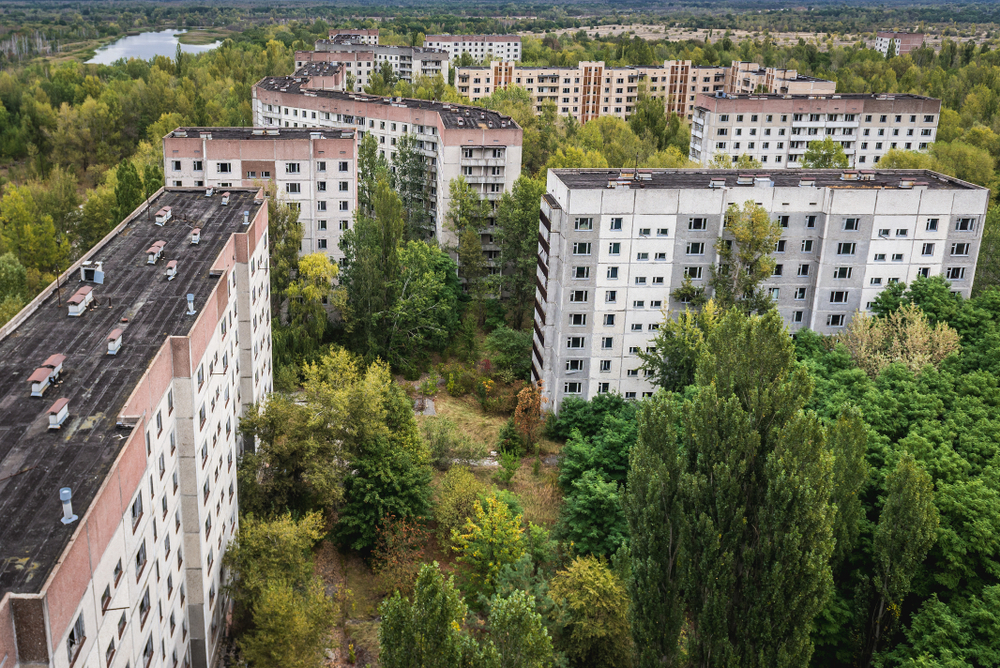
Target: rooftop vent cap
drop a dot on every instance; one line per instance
(40, 380)
(906, 184)
(225, 199)
(66, 496)
(807, 182)
(54, 362)
(79, 302)
(171, 270)
(92, 271)
(850, 175)
(162, 216)
(744, 179)
(209, 191)
(180, 133)
(191, 310)
(717, 183)
(246, 217)
(115, 340)
(195, 236)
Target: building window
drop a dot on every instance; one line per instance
(696, 248)
(581, 272)
(838, 297)
(581, 248)
(927, 249)
(960, 249)
(955, 273)
(842, 272)
(696, 223)
(810, 221)
(572, 388)
(293, 188)
(609, 320)
(846, 248)
(803, 270)
(607, 342)
(579, 295)
(140, 560)
(223, 168)
(800, 293)
(76, 639)
(850, 223)
(616, 224)
(573, 366)
(136, 510)
(584, 224)
(611, 296)
(578, 319)
(932, 224)
(835, 320)
(965, 224)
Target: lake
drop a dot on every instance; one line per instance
(146, 46)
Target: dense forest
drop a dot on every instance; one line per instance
(832, 501)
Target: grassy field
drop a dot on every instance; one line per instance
(205, 36)
(349, 579)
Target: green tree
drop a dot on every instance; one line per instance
(741, 479)
(13, 278)
(510, 352)
(518, 632)
(517, 236)
(826, 154)
(307, 295)
(270, 550)
(128, 190)
(285, 232)
(488, 541)
(597, 628)
(745, 259)
(372, 269)
(673, 357)
(410, 181)
(466, 219)
(372, 167)
(591, 517)
(427, 632)
(28, 233)
(905, 532)
(988, 265)
(290, 627)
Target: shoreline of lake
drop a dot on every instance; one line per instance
(148, 45)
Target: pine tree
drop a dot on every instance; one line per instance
(410, 181)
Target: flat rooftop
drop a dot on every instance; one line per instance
(820, 96)
(319, 68)
(136, 297)
(350, 43)
(449, 113)
(268, 133)
(889, 179)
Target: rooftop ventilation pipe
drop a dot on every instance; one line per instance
(66, 496)
(191, 310)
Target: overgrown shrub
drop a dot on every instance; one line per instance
(447, 445)
(510, 462)
(510, 353)
(505, 496)
(587, 416)
(498, 398)
(509, 439)
(457, 496)
(592, 518)
(459, 379)
(398, 554)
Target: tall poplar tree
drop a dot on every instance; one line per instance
(730, 507)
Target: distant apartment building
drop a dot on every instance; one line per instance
(591, 89)
(359, 35)
(480, 145)
(745, 77)
(480, 47)
(777, 129)
(313, 170)
(126, 380)
(901, 42)
(614, 244)
(362, 60)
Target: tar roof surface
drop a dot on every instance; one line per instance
(269, 133)
(35, 462)
(450, 113)
(824, 96)
(319, 68)
(782, 178)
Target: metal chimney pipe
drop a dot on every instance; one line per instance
(66, 496)
(191, 310)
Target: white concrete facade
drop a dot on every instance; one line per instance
(613, 249)
(479, 145)
(480, 47)
(313, 170)
(777, 129)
